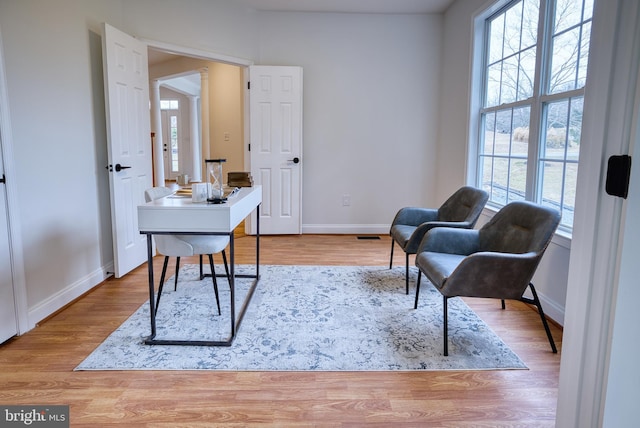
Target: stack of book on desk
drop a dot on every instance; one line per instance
(239, 179)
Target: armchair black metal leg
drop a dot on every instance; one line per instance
(415, 306)
(406, 273)
(391, 258)
(175, 282)
(215, 282)
(536, 301)
(164, 272)
(445, 321)
(503, 305)
(201, 270)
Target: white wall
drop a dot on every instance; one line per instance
(453, 130)
(54, 78)
(371, 86)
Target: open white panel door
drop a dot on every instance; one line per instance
(275, 99)
(8, 314)
(126, 81)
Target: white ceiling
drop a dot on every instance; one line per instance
(351, 6)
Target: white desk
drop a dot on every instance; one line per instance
(178, 215)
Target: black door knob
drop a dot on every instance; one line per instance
(121, 167)
(295, 160)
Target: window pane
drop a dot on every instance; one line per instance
(569, 202)
(503, 133)
(559, 161)
(486, 173)
(517, 179)
(493, 85)
(500, 180)
(174, 143)
(564, 61)
(570, 52)
(489, 133)
(509, 80)
(520, 145)
(552, 181)
(555, 136)
(568, 13)
(588, 9)
(526, 74)
(530, 14)
(575, 128)
(584, 55)
(512, 29)
(496, 36)
(504, 162)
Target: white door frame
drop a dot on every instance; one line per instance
(599, 223)
(15, 236)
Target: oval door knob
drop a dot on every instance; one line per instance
(295, 160)
(121, 167)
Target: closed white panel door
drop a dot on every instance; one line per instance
(276, 146)
(129, 142)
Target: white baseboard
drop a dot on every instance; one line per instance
(67, 295)
(552, 309)
(346, 229)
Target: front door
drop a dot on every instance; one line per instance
(171, 137)
(126, 81)
(275, 99)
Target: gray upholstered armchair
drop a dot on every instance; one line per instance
(497, 261)
(410, 224)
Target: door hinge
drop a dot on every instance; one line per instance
(249, 147)
(3, 179)
(248, 85)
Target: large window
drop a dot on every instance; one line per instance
(534, 56)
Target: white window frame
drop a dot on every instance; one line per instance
(536, 102)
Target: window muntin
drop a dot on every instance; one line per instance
(533, 95)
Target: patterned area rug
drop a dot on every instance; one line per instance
(327, 318)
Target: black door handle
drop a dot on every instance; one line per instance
(120, 167)
(295, 160)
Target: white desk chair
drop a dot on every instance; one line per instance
(186, 245)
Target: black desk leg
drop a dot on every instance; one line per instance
(232, 284)
(151, 285)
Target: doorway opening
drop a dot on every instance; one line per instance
(208, 120)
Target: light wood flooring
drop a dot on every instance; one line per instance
(37, 368)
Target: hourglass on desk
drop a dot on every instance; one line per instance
(214, 178)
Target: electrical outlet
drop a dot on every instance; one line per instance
(346, 200)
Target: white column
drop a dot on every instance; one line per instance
(195, 140)
(156, 128)
(204, 106)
